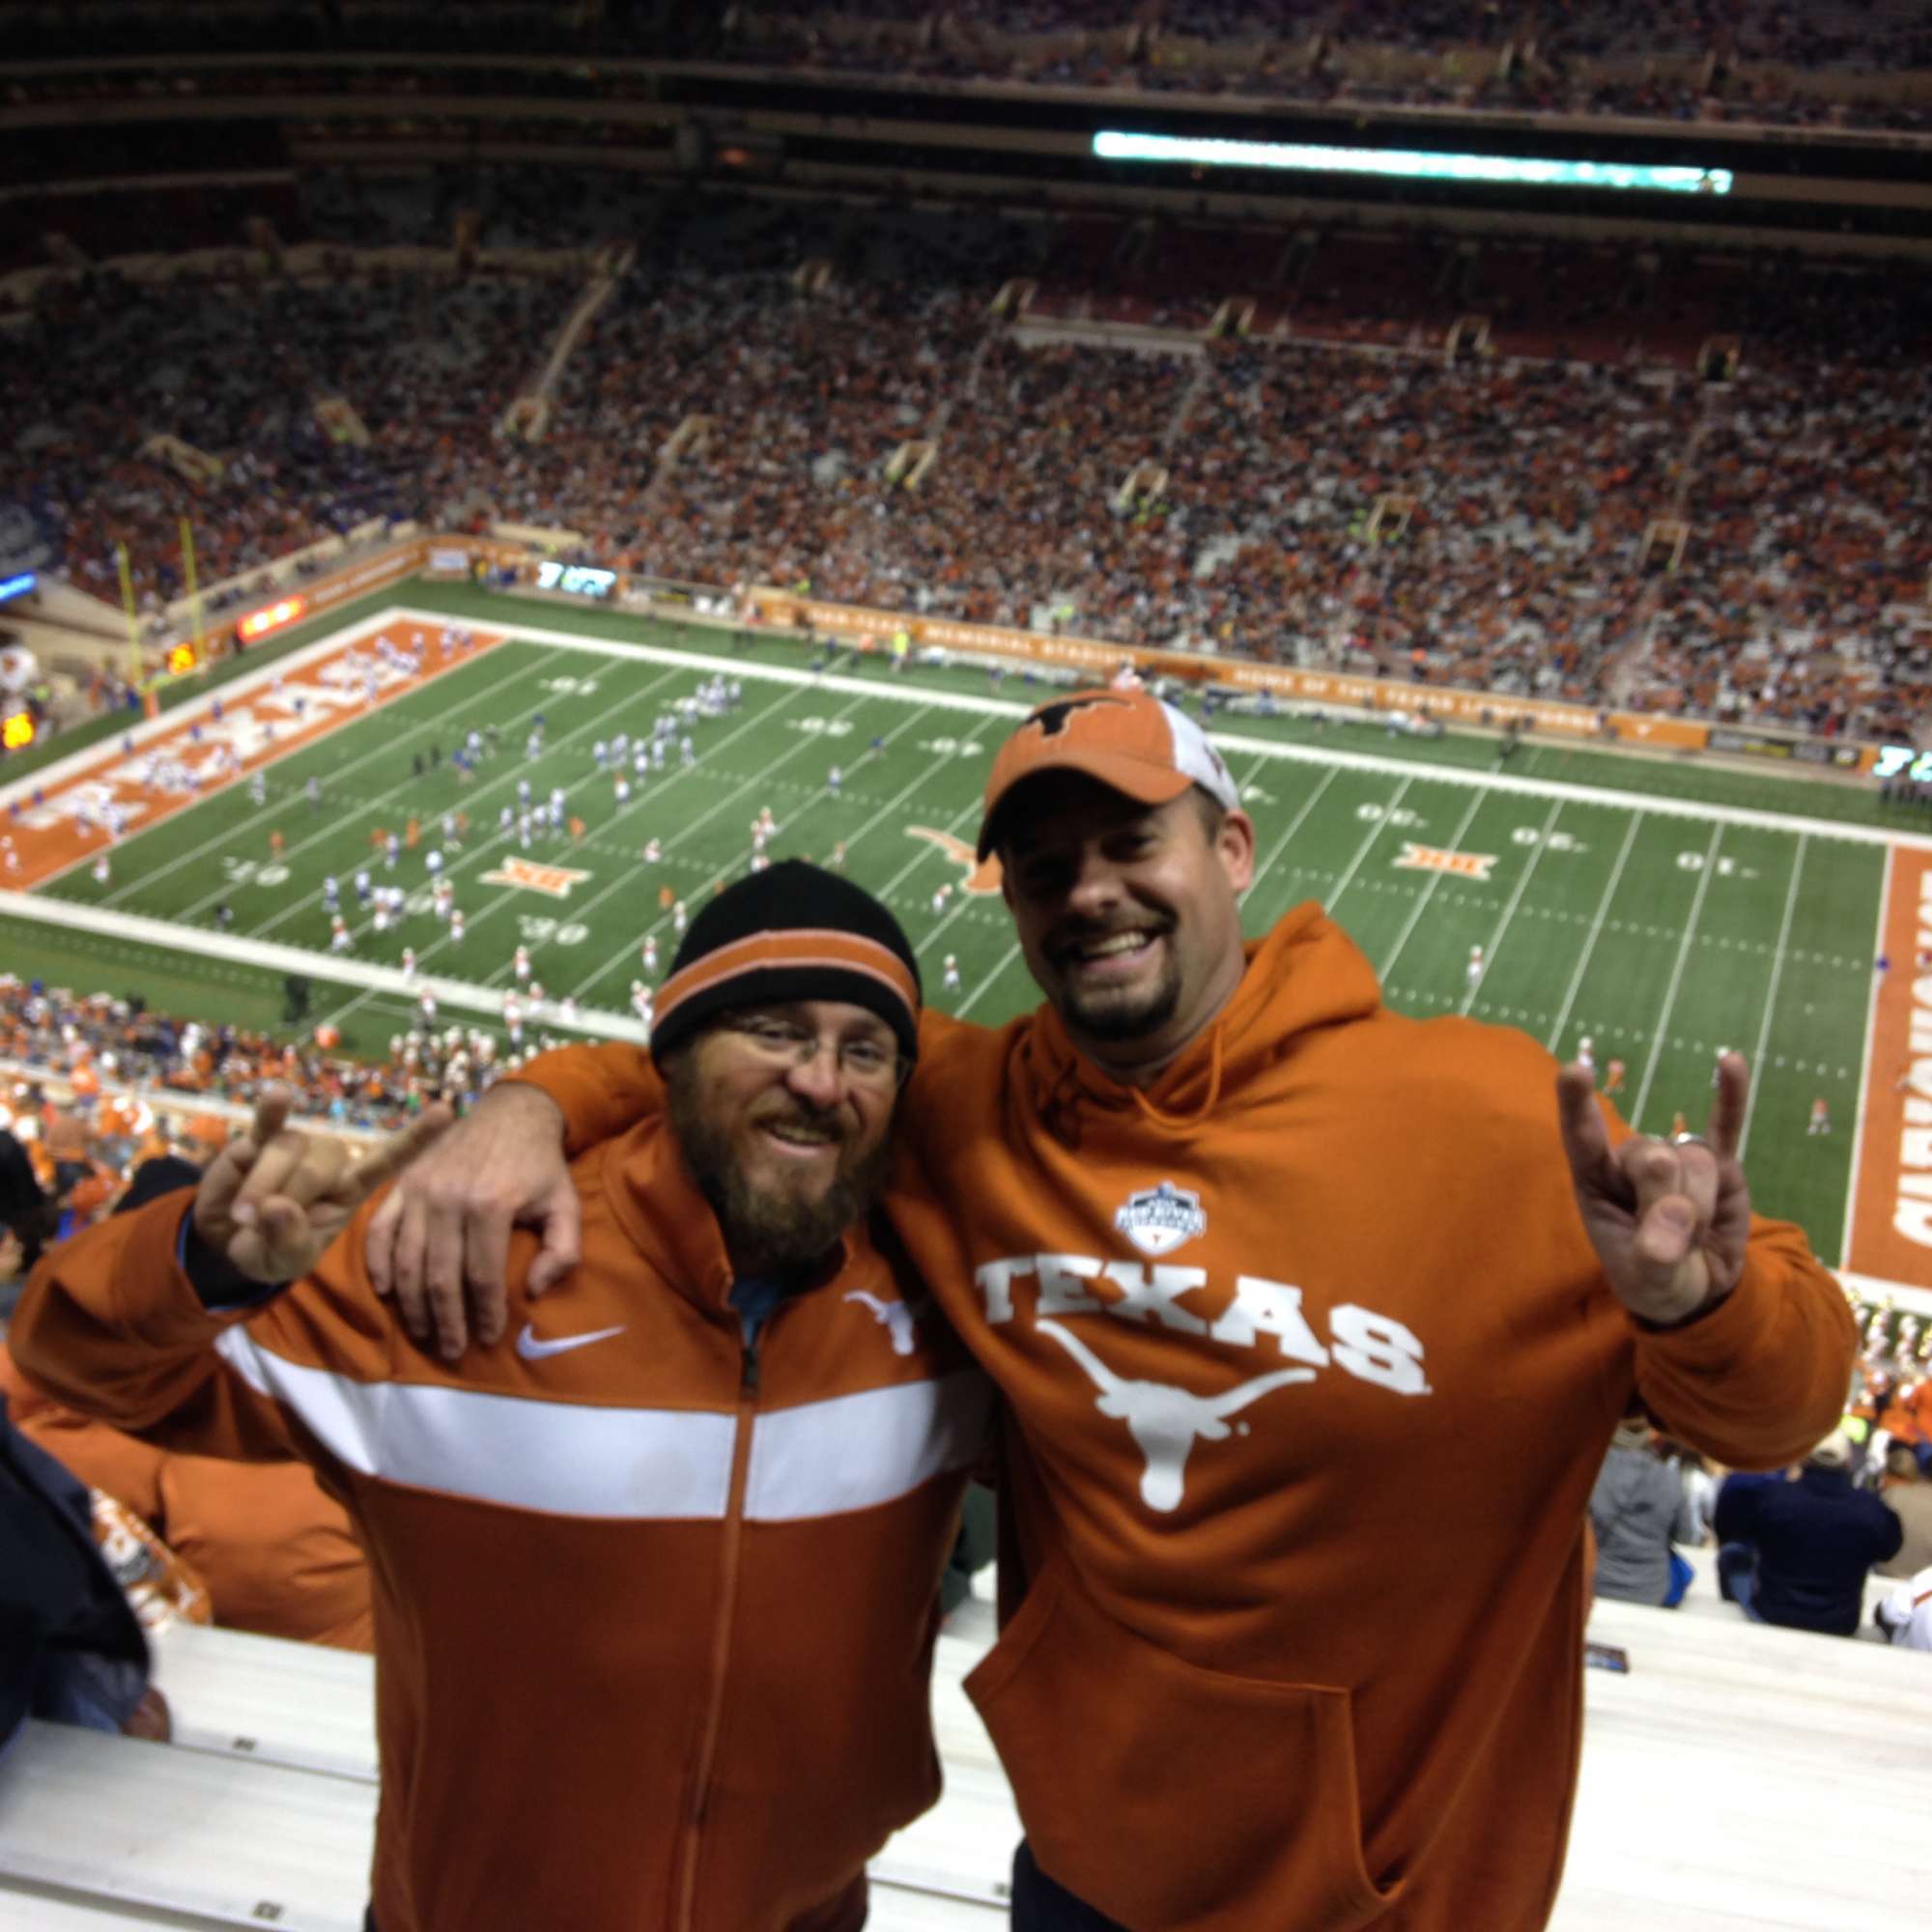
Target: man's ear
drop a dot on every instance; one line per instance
(1235, 847)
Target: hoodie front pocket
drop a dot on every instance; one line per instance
(1170, 1798)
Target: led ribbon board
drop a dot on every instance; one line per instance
(1113, 144)
(579, 578)
(1905, 761)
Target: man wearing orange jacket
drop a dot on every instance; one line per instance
(656, 1588)
(1300, 1309)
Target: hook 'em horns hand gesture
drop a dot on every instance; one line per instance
(1669, 1219)
(273, 1198)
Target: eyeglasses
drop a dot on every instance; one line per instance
(865, 1061)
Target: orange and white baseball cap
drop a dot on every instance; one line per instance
(1130, 740)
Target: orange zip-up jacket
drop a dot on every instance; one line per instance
(654, 1610)
(1309, 1370)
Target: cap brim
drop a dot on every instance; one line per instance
(1143, 782)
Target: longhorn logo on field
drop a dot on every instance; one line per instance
(981, 875)
(555, 880)
(1433, 859)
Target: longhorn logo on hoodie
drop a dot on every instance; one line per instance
(1156, 1220)
(1164, 1421)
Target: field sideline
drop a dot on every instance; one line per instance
(1661, 926)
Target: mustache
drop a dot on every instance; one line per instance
(828, 1121)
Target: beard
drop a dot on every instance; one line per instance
(1121, 1015)
(772, 1229)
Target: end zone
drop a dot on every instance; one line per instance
(60, 816)
(1889, 1238)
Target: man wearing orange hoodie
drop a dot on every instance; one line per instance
(1297, 1306)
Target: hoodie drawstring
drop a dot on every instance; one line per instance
(1177, 1123)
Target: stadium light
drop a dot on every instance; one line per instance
(1113, 144)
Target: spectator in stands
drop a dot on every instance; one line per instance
(1797, 1553)
(70, 1648)
(28, 1219)
(1905, 1615)
(275, 1553)
(1907, 1416)
(1907, 1492)
(1639, 1508)
(561, 1531)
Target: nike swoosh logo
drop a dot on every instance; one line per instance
(533, 1351)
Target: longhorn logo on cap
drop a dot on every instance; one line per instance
(1052, 718)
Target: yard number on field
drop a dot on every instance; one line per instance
(1725, 869)
(539, 931)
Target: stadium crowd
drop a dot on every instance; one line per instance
(1860, 65)
(140, 1081)
(427, 368)
(1749, 61)
(812, 394)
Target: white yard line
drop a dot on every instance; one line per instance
(145, 730)
(1427, 894)
(627, 877)
(1866, 1068)
(126, 926)
(483, 838)
(972, 999)
(1308, 805)
(1229, 742)
(1374, 831)
(1704, 873)
(1509, 911)
(1771, 995)
(265, 815)
(735, 796)
(1596, 930)
(1294, 825)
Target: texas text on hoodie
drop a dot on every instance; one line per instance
(1310, 1369)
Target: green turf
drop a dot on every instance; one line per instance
(1663, 936)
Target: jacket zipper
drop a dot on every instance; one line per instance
(720, 1643)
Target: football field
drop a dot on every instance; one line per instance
(1607, 902)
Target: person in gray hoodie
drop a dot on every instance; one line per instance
(1639, 1508)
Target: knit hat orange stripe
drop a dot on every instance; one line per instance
(794, 947)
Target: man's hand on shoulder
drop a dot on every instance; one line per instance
(1669, 1219)
(273, 1198)
(440, 1243)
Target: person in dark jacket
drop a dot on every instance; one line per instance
(28, 1220)
(1814, 1539)
(70, 1649)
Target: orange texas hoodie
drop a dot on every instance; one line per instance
(1309, 1370)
